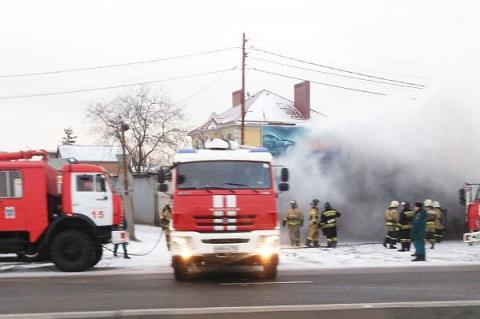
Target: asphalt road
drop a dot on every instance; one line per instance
(333, 289)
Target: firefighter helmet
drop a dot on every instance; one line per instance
(436, 204)
(327, 205)
(315, 202)
(428, 203)
(394, 204)
(293, 204)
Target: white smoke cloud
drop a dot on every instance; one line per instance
(403, 151)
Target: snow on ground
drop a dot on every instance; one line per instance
(355, 255)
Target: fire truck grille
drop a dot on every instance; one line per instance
(226, 241)
(209, 223)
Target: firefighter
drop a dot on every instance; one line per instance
(294, 221)
(328, 223)
(431, 222)
(165, 217)
(313, 233)
(123, 226)
(418, 232)
(391, 221)
(440, 225)
(405, 226)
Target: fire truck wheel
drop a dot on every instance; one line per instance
(180, 272)
(98, 254)
(72, 251)
(270, 271)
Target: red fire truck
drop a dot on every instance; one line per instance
(224, 208)
(63, 217)
(470, 197)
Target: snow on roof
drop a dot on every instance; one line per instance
(87, 153)
(262, 107)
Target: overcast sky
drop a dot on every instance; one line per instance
(421, 42)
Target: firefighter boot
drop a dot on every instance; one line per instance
(419, 258)
(385, 242)
(404, 248)
(392, 245)
(315, 243)
(407, 244)
(432, 246)
(334, 244)
(308, 243)
(329, 244)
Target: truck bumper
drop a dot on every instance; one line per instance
(249, 248)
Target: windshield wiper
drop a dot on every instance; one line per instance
(242, 185)
(208, 188)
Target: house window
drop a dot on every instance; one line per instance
(11, 185)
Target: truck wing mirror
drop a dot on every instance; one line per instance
(285, 176)
(163, 188)
(461, 193)
(283, 187)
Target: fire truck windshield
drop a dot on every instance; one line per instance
(223, 175)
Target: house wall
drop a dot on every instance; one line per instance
(253, 135)
(146, 201)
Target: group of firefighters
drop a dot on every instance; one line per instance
(325, 221)
(401, 220)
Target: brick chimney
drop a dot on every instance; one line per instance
(302, 98)
(236, 98)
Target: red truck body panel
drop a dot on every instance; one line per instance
(473, 216)
(30, 212)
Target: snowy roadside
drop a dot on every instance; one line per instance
(346, 256)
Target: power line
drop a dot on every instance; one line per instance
(334, 68)
(336, 74)
(316, 82)
(113, 86)
(206, 86)
(117, 65)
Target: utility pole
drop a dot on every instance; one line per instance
(242, 126)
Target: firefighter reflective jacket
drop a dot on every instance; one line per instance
(313, 216)
(439, 224)
(328, 218)
(293, 217)
(405, 221)
(432, 219)
(165, 217)
(391, 217)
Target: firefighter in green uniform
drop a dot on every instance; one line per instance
(431, 222)
(313, 233)
(405, 226)
(391, 222)
(294, 221)
(440, 225)
(328, 223)
(165, 217)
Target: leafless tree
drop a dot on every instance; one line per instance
(156, 125)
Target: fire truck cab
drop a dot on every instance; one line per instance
(224, 208)
(62, 216)
(470, 197)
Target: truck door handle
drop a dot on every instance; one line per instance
(103, 198)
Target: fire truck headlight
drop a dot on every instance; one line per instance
(269, 240)
(181, 241)
(266, 252)
(186, 253)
